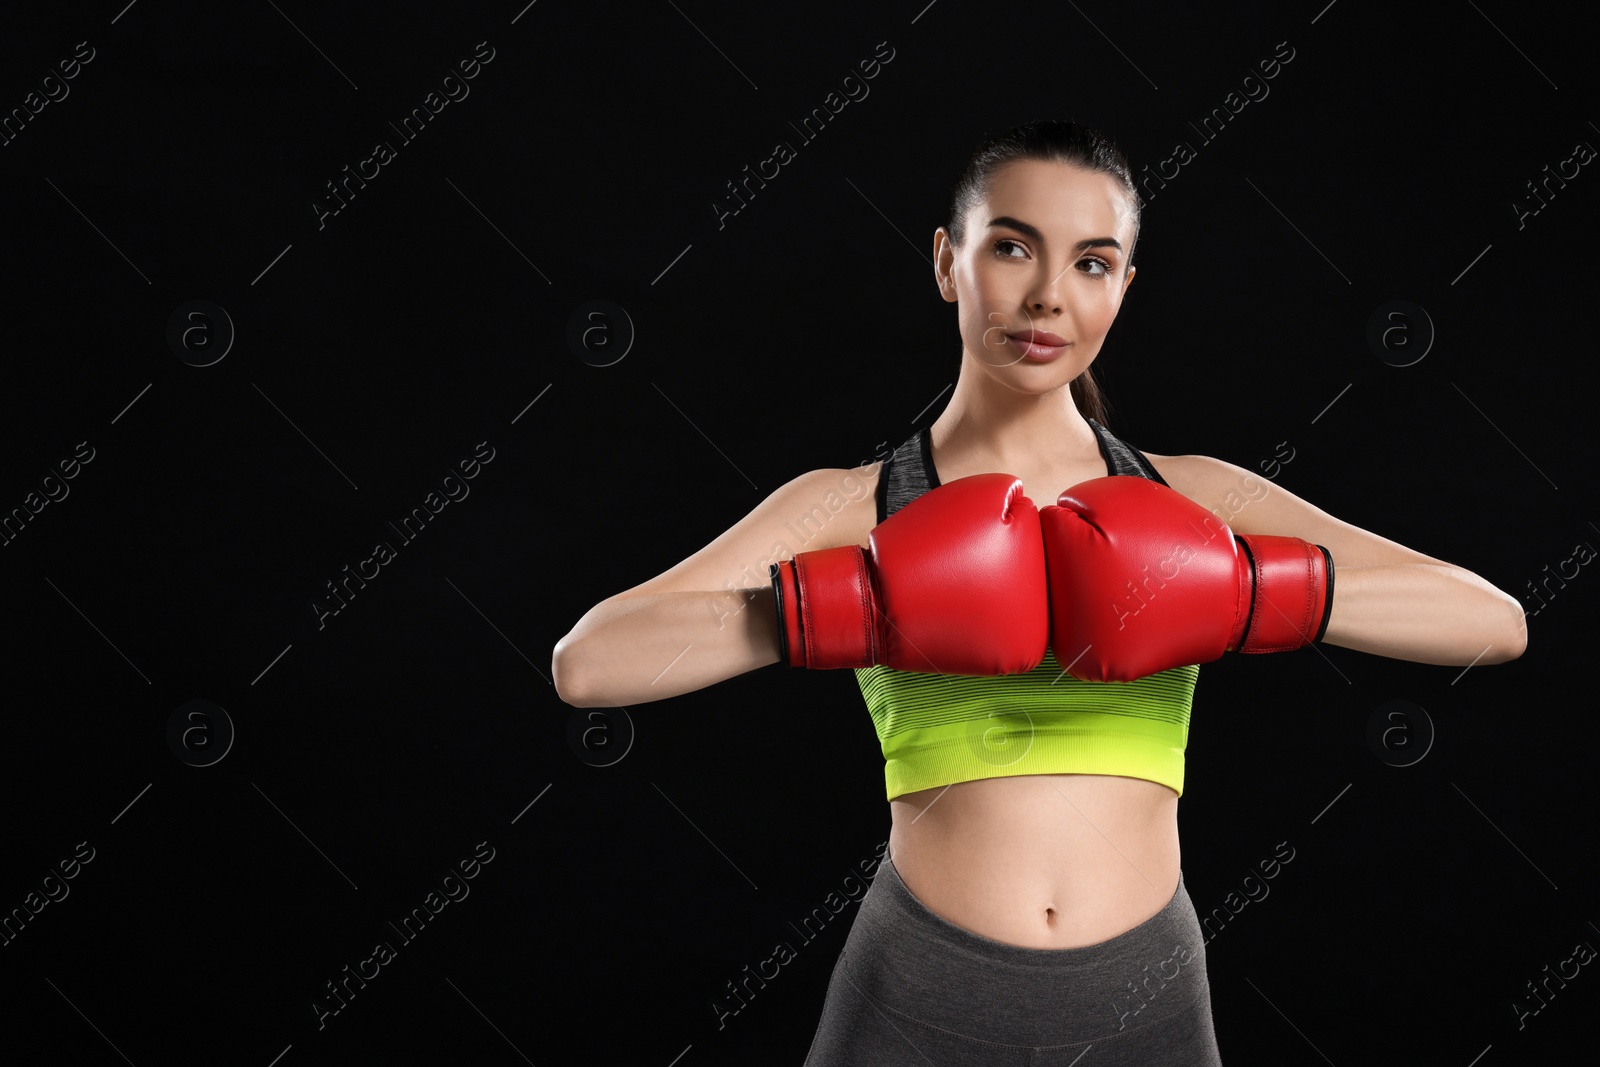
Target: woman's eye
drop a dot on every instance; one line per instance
(1105, 268)
(1002, 244)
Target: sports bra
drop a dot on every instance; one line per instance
(937, 729)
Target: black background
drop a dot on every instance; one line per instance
(374, 352)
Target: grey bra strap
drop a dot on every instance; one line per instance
(906, 474)
(1123, 458)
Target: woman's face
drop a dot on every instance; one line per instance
(1045, 250)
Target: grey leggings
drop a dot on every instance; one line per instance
(913, 988)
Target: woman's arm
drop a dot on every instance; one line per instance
(712, 616)
(635, 647)
(1388, 600)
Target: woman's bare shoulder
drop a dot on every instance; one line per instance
(1213, 483)
(832, 506)
(1252, 503)
(822, 508)
(1195, 476)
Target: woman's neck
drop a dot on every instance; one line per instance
(988, 422)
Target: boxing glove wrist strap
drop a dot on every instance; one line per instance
(825, 609)
(1293, 593)
(784, 592)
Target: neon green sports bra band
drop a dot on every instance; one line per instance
(937, 729)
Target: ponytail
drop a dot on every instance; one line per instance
(1089, 398)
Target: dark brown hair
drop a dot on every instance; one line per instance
(1050, 141)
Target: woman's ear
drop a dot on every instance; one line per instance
(944, 265)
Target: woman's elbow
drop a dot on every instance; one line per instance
(1512, 639)
(566, 673)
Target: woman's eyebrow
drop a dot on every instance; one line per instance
(1033, 232)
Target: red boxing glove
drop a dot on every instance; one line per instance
(954, 582)
(1143, 579)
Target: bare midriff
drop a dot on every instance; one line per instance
(1043, 860)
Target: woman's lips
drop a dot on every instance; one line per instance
(1033, 350)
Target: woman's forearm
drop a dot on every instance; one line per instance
(1428, 613)
(635, 649)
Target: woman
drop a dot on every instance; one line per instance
(1032, 906)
